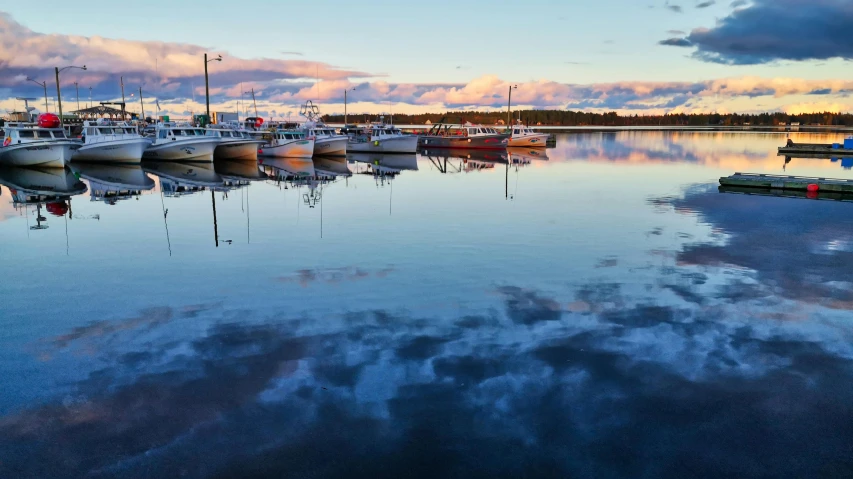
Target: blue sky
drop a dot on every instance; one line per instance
(453, 44)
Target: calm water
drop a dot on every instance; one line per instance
(602, 312)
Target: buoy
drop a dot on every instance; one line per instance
(7, 141)
(57, 209)
(48, 120)
(813, 188)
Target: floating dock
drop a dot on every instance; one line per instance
(818, 150)
(807, 184)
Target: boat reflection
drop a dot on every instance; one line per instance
(289, 170)
(51, 188)
(384, 166)
(181, 179)
(458, 161)
(111, 183)
(328, 167)
(239, 170)
(525, 156)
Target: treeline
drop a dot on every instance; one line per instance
(580, 118)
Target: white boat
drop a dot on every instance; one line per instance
(234, 144)
(326, 140)
(380, 138)
(173, 142)
(25, 144)
(114, 142)
(524, 136)
(287, 144)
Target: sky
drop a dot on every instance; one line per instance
(633, 57)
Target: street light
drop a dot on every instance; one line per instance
(345, 104)
(59, 93)
(43, 85)
(509, 107)
(207, 83)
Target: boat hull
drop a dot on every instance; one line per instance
(405, 144)
(43, 154)
(238, 150)
(291, 149)
(119, 151)
(493, 142)
(529, 141)
(331, 146)
(196, 150)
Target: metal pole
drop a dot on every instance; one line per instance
(141, 104)
(254, 102)
(59, 98)
(121, 80)
(345, 108)
(206, 88)
(77, 87)
(44, 84)
(509, 110)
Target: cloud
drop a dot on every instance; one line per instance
(739, 3)
(167, 69)
(298, 54)
(673, 7)
(676, 32)
(766, 31)
(706, 4)
(676, 42)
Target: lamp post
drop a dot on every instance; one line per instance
(90, 97)
(345, 104)
(59, 93)
(77, 87)
(43, 85)
(141, 104)
(509, 108)
(207, 83)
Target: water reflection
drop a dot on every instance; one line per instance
(616, 319)
(50, 188)
(113, 183)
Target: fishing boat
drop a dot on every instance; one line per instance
(524, 136)
(467, 136)
(114, 142)
(287, 143)
(234, 144)
(110, 183)
(326, 140)
(380, 138)
(174, 142)
(43, 144)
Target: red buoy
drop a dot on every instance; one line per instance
(48, 120)
(813, 188)
(259, 122)
(57, 209)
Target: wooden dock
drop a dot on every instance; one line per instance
(792, 183)
(821, 150)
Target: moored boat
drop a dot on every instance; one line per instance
(44, 144)
(326, 140)
(287, 143)
(173, 142)
(114, 142)
(468, 136)
(234, 144)
(380, 138)
(525, 137)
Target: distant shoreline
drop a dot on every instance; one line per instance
(594, 129)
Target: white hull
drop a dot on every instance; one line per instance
(537, 141)
(118, 151)
(54, 154)
(238, 150)
(293, 149)
(189, 150)
(331, 146)
(405, 144)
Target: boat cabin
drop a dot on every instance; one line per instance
(93, 129)
(19, 133)
(519, 130)
(228, 134)
(168, 131)
(288, 135)
(472, 131)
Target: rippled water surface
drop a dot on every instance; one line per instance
(601, 310)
